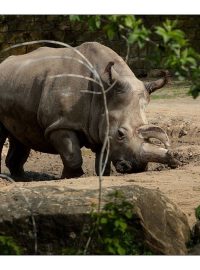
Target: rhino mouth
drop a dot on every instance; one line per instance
(124, 166)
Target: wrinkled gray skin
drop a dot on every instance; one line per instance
(49, 113)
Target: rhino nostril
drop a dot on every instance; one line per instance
(121, 133)
(125, 166)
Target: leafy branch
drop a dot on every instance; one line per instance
(173, 51)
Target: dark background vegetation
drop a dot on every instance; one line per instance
(19, 28)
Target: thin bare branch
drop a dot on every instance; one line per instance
(100, 93)
(87, 244)
(103, 147)
(110, 87)
(50, 42)
(73, 75)
(61, 58)
(6, 177)
(107, 154)
(57, 43)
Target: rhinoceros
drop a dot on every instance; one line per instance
(45, 106)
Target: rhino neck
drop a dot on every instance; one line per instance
(99, 56)
(96, 116)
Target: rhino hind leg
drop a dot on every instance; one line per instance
(67, 145)
(16, 157)
(3, 137)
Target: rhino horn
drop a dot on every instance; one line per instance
(152, 131)
(152, 153)
(153, 86)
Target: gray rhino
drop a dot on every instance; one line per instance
(44, 106)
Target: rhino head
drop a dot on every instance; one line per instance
(129, 131)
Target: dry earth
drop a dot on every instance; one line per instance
(180, 116)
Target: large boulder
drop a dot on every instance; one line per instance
(49, 216)
(165, 225)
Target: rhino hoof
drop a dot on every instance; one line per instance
(69, 173)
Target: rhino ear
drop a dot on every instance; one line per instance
(108, 71)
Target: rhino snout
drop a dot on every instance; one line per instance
(125, 166)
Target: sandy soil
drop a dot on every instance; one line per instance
(181, 119)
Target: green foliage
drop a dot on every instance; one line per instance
(178, 55)
(94, 22)
(74, 18)
(171, 35)
(172, 52)
(8, 246)
(114, 231)
(112, 226)
(197, 212)
(195, 236)
(139, 35)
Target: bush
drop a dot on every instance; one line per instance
(112, 231)
(8, 246)
(197, 212)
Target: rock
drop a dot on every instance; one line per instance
(182, 133)
(60, 214)
(166, 227)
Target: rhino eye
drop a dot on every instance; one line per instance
(121, 88)
(121, 91)
(121, 133)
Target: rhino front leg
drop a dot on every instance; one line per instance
(107, 167)
(68, 146)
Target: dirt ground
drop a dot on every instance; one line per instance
(180, 116)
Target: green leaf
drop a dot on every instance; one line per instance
(195, 91)
(128, 21)
(111, 250)
(120, 224)
(110, 33)
(108, 240)
(161, 32)
(129, 214)
(92, 23)
(8, 246)
(98, 21)
(133, 37)
(103, 220)
(121, 251)
(113, 18)
(74, 18)
(197, 212)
